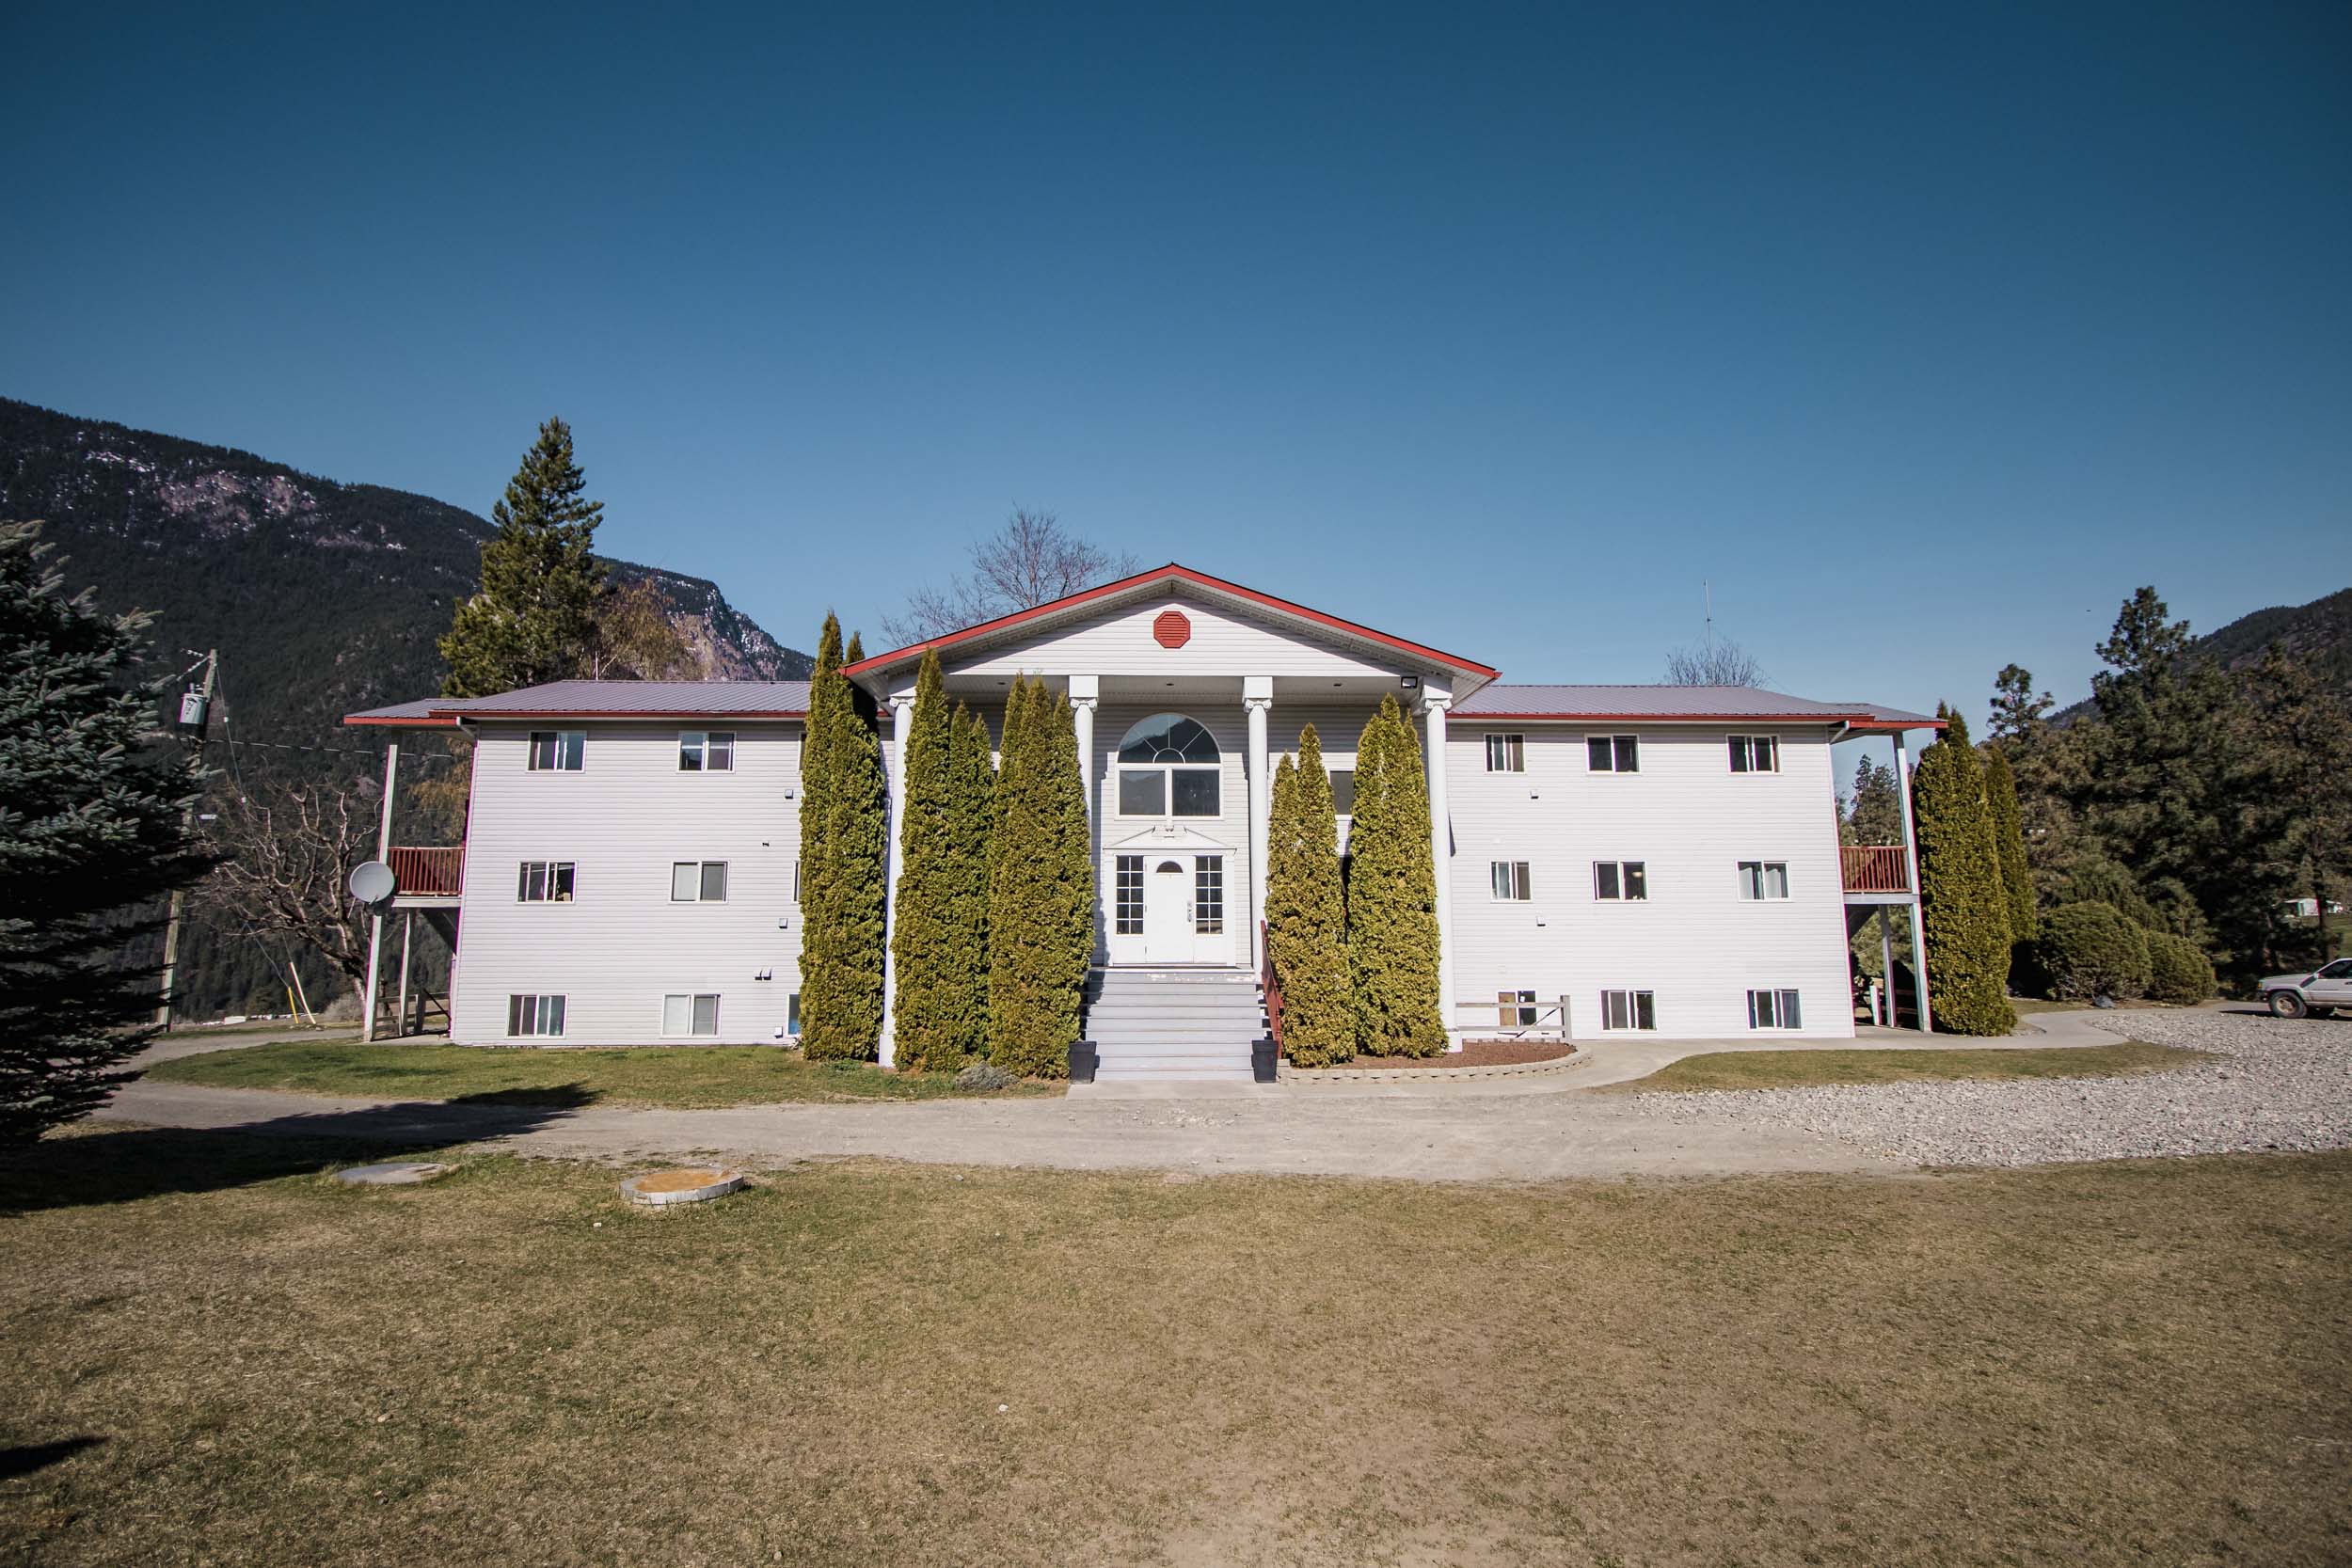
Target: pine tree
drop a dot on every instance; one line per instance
(2008, 841)
(971, 812)
(1306, 912)
(1393, 895)
(535, 618)
(90, 842)
(1874, 812)
(1041, 913)
(844, 845)
(1963, 904)
(923, 946)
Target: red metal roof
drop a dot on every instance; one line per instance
(604, 700)
(1686, 705)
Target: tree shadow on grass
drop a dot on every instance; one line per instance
(24, 1459)
(95, 1163)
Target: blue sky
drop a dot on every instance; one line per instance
(1924, 335)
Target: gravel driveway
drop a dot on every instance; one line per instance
(2280, 1085)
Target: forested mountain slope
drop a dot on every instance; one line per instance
(2318, 635)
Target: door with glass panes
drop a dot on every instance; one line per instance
(1167, 907)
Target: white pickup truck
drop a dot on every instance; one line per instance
(2316, 993)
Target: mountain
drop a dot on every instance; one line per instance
(322, 598)
(2317, 635)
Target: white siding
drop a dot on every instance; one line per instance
(1693, 942)
(620, 945)
(1223, 647)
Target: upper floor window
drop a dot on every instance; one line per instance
(1620, 880)
(1763, 880)
(1774, 1010)
(543, 882)
(1614, 754)
(1169, 766)
(1755, 754)
(1509, 878)
(706, 752)
(698, 882)
(558, 750)
(1506, 753)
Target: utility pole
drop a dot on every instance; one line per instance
(187, 826)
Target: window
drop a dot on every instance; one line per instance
(1516, 1009)
(706, 752)
(691, 1015)
(1763, 880)
(2341, 969)
(1627, 1009)
(1620, 880)
(1506, 753)
(1509, 880)
(1168, 766)
(1755, 754)
(558, 750)
(533, 1015)
(792, 1015)
(1774, 1010)
(1127, 907)
(698, 882)
(1343, 792)
(1208, 896)
(543, 882)
(1614, 754)
(796, 882)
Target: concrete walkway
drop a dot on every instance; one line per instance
(1525, 1129)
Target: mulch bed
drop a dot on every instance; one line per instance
(1474, 1053)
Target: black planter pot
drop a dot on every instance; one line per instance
(1261, 1061)
(1082, 1062)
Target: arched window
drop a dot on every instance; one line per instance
(1168, 766)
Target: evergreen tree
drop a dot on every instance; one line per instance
(535, 618)
(924, 948)
(971, 808)
(2017, 711)
(844, 845)
(1393, 895)
(2300, 787)
(1041, 888)
(2008, 841)
(1964, 903)
(1306, 912)
(1874, 813)
(90, 843)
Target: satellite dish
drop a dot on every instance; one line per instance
(372, 883)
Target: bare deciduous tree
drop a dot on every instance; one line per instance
(1717, 663)
(636, 638)
(1031, 561)
(286, 853)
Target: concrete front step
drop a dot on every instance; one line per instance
(1108, 1073)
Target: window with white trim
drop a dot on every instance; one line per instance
(1755, 754)
(1343, 792)
(543, 882)
(1127, 902)
(695, 1014)
(1506, 753)
(698, 882)
(1612, 753)
(705, 750)
(1774, 1010)
(533, 1016)
(1765, 882)
(1621, 882)
(1208, 896)
(792, 1015)
(558, 750)
(1627, 1009)
(1509, 880)
(1516, 1009)
(1169, 766)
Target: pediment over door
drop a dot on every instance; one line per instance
(1166, 836)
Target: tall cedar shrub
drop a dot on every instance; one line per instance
(1040, 909)
(535, 618)
(2178, 971)
(2008, 841)
(1307, 911)
(844, 845)
(971, 807)
(1964, 904)
(2091, 949)
(1393, 895)
(90, 843)
(926, 949)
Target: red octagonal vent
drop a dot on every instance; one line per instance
(1169, 629)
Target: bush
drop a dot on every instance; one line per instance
(2088, 949)
(2179, 972)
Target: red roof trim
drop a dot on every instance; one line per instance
(1172, 572)
(1853, 720)
(360, 720)
(457, 716)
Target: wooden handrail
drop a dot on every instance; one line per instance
(1874, 868)
(428, 871)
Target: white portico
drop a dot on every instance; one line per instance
(1186, 691)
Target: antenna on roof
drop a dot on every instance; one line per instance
(1707, 589)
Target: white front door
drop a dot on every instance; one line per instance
(1167, 903)
(1168, 920)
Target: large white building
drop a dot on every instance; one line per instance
(1612, 858)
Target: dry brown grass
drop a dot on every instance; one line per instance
(862, 1363)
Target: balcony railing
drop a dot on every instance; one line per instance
(1875, 868)
(434, 871)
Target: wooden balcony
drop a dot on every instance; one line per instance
(434, 871)
(1875, 868)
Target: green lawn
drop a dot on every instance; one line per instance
(1789, 1070)
(213, 1354)
(681, 1077)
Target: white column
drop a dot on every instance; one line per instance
(1911, 863)
(376, 921)
(1441, 855)
(1085, 692)
(902, 722)
(1257, 696)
